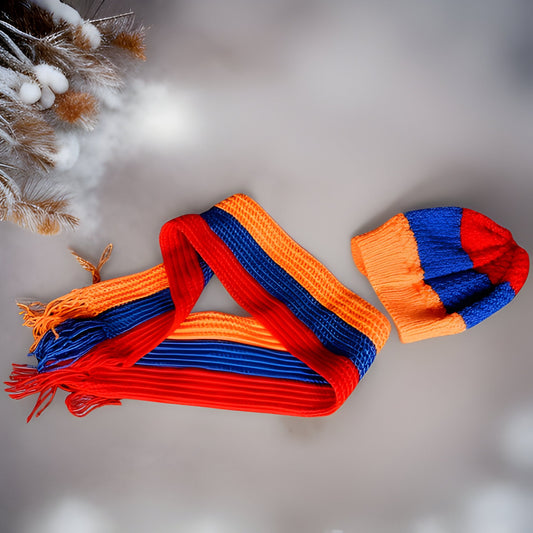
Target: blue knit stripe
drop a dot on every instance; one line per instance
(438, 236)
(229, 356)
(334, 333)
(499, 296)
(448, 269)
(77, 336)
(460, 289)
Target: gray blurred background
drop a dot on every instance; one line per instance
(334, 116)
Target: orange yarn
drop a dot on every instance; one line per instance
(392, 265)
(220, 326)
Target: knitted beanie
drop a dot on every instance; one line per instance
(442, 270)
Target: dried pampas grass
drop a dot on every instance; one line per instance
(37, 210)
(57, 71)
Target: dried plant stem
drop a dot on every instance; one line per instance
(114, 17)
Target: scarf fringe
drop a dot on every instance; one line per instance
(81, 404)
(43, 318)
(71, 342)
(26, 380)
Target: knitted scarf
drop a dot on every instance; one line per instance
(305, 345)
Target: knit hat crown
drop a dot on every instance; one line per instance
(441, 270)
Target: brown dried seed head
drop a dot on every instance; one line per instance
(133, 42)
(74, 107)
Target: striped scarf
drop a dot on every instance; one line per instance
(305, 345)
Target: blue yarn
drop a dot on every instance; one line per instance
(206, 270)
(228, 356)
(438, 235)
(459, 289)
(478, 311)
(76, 338)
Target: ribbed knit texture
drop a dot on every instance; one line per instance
(303, 349)
(442, 270)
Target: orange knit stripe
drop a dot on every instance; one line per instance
(92, 300)
(221, 326)
(306, 270)
(388, 256)
(111, 293)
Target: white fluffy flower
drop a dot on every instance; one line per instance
(30, 93)
(52, 77)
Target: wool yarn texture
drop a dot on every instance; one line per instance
(307, 340)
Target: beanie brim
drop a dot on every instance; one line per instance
(388, 257)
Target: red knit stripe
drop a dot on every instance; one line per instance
(212, 389)
(493, 250)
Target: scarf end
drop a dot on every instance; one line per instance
(26, 380)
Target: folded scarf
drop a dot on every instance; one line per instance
(305, 345)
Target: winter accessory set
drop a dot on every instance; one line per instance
(307, 341)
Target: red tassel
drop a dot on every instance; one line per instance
(81, 404)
